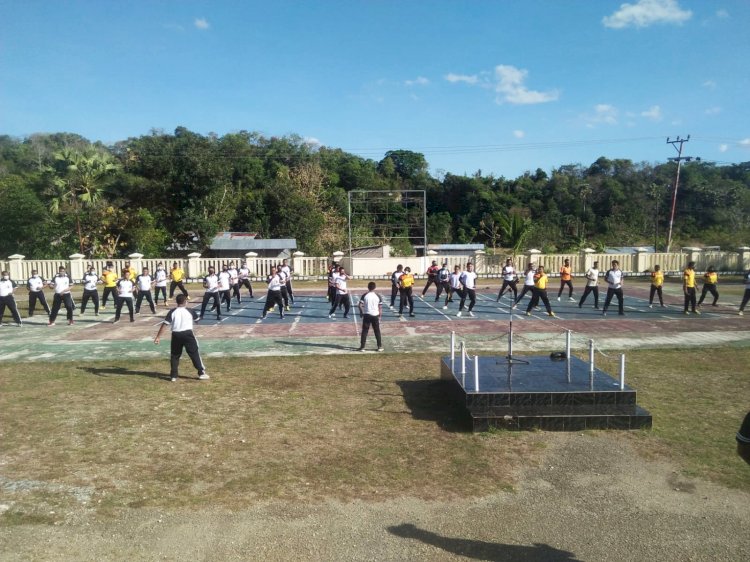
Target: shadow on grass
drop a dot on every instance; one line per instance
(107, 371)
(482, 550)
(434, 400)
(310, 344)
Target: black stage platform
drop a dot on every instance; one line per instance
(535, 394)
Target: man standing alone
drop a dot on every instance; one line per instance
(371, 309)
(181, 320)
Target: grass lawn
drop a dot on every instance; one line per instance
(116, 434)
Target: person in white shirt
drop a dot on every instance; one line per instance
(469, 287)
(6, 298)
(342, 295)
(144, 282)
(211, 286)
(90, 280)
(225, 287)
(395, 283)
(510, 280)
(61, 284)
(443, 281)
(592, 285)
(333, 271)
(528, 283)
(160, 283)
(273, 297)
(284, 279)
(35, 284)
(234, 281)
(746, 295)
(181, 320)
(125, 288)
(614, 278)
(454, 282)
(288, 272)
(370, 309)
(244, 274)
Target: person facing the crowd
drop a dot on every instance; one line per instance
(710, 280)
(688, 288)
(528, 283)
(244, 278)
(35, 284)
(614, 278)
(109, 279)
(455, 286)
(125, 288)
(181, 320)
(342, 295)
(371, 310)
(431, 273)
(177, 276)
(566, 278)
(657, 284)
(144, 282)
(510, 280)
(406, 288)
(225, 286)
(234, 281)
(539, 292)
(160, 283)
(61, 284)
(7, 286)
(211, 293)
(90, 292)
(592, 285)
(273, 297)
(468, 289)
(443, 281)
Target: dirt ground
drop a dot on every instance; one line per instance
(592, 497)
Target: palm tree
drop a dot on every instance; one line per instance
(515, 230)
(79, 184)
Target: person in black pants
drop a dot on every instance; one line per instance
(61, 284)
(710, 279)
(143, 283)
(35, 284)
(592, 285)
(395, 281)
(181, 320)
(6, 298)
(211, 284)
(125, 289)
(370, 309)
(614, 278)
(273, 297)
(90, 292)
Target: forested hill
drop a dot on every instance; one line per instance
(60, 194)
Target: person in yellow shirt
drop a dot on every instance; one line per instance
(539, 292)
(177, 276)
(132, 273)
(405, 286)
(688, 287)
(109, 279)
(566, 278)
(710, 279)
(657, 282)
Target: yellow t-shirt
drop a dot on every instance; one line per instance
(688, 277)
(710, 278)
(177, 274)
(540, 280)
(657, 278)
(407, 280)
(109, 278)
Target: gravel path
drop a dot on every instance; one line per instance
(591, 498)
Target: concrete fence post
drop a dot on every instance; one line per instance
(641, 260)
(743, 258)
(136, 262)
(15, 268)
(531, 256)
(587, 259)
(77, 267)
(194, 266)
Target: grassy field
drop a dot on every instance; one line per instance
(116, 434)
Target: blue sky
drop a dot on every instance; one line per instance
(502, 87)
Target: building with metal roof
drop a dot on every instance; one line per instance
(235, 244)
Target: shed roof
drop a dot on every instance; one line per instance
(247, 241)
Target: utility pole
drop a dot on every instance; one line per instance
(679, 158)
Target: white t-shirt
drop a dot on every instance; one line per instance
(161, 278)
(529, 279)
(509, 273)
(244, 272)
(144, 282)
(35, 283)
(592, 277)
(614, 278)
(211, 283)
(61, 282)
(396, 276)
(287, 271)
(125, 288)
(371, 303)
(224, 278)
(469, 279)
(6, 287)
(341, 285)
(274, 283)
(455, 280)
(181, 319)
(89, 281)
(233, 275)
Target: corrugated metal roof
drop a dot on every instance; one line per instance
(246, 241)
(438, 247)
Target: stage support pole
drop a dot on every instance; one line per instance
(476, 373)
(622, 371)
(591, 364)
(453, 352)
(567, 354)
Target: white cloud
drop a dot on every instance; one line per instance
(519, 134)
(653, 113)
(645, 13)
(713, 110)
(469, 79)
(312, 141)
(723, 147)
(173, 26)
(419, 81)
(510, 87)
(744, 143)
(710, 84)
(721, 14)
(604, 114)
(201, 23)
